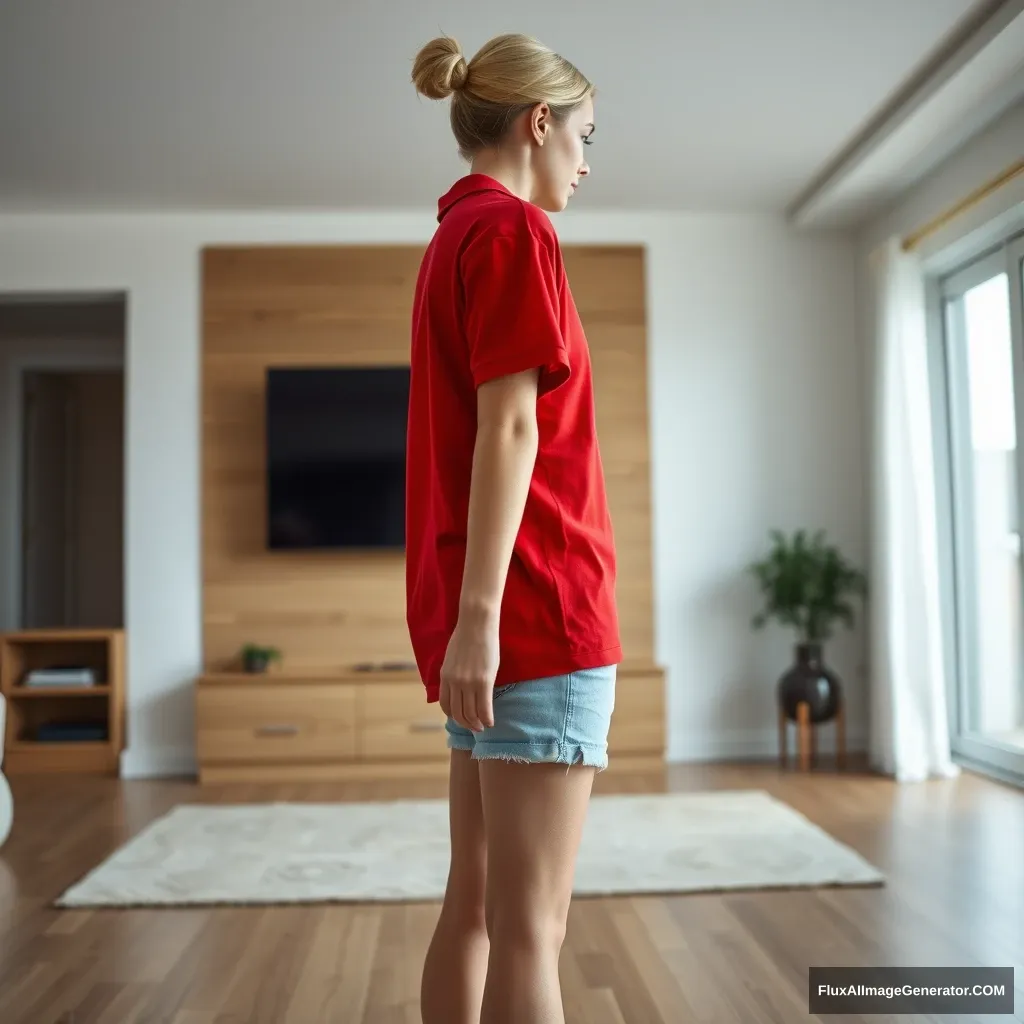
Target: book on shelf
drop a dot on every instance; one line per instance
(60, 676)
(71, 732)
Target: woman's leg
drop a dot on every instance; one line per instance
(517, 814)
(534, 815)
(456, 962)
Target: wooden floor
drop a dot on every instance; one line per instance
(953, 852)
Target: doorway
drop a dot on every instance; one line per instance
(62, 407)
(71, 499)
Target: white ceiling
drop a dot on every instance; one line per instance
(728, 104)
(968, 88)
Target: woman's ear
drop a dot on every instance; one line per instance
(540, 122)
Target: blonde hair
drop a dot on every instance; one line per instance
(506, 76)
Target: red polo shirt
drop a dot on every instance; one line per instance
(492, 299)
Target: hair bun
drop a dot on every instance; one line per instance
(440, 68)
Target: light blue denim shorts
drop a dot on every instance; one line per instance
(561, 719)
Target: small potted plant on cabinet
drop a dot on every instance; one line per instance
(257, 659)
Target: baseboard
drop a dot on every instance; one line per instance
(158, 763)
(755, 744)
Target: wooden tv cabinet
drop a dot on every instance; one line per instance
(282, 727)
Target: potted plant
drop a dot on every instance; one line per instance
(256, 659)
(808, 586)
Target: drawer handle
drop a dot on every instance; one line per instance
(277, 730)
(430, 726)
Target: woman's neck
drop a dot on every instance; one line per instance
(505, 168)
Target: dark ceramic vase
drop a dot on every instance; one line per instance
(810, 681)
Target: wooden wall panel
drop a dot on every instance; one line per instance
(608, 284)
(351, 305)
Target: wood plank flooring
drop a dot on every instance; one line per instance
(953, 852)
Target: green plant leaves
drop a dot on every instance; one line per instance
(806, 584)
(257, 651)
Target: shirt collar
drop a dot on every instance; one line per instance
(469, 185)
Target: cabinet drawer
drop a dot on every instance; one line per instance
(395, 721)
(638, 721)
(267, 723)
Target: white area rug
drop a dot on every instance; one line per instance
(299, 853)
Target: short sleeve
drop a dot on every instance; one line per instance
(512, 298)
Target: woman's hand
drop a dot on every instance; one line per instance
(468, 673)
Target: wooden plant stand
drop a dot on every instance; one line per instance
(807, 751)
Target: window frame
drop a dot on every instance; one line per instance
(949, 384)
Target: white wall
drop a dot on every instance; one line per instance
(755, 422)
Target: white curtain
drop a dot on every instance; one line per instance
(909, 718)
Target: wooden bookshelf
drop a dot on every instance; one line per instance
(78, 729)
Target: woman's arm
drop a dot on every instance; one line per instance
(503, 460)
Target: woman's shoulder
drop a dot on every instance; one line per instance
(513, 220)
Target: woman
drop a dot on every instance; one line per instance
(510, 555)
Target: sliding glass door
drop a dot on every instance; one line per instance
(984, 374)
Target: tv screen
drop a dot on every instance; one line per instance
(336, 457)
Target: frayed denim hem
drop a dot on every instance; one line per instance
(526, 752)
(459, 742)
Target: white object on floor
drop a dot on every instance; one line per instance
(6, 800)
(300, 853)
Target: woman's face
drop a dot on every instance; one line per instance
(558, 162)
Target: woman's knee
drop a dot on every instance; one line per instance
(541, 925)
(469, 916)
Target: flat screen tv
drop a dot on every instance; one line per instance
(336, 457)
